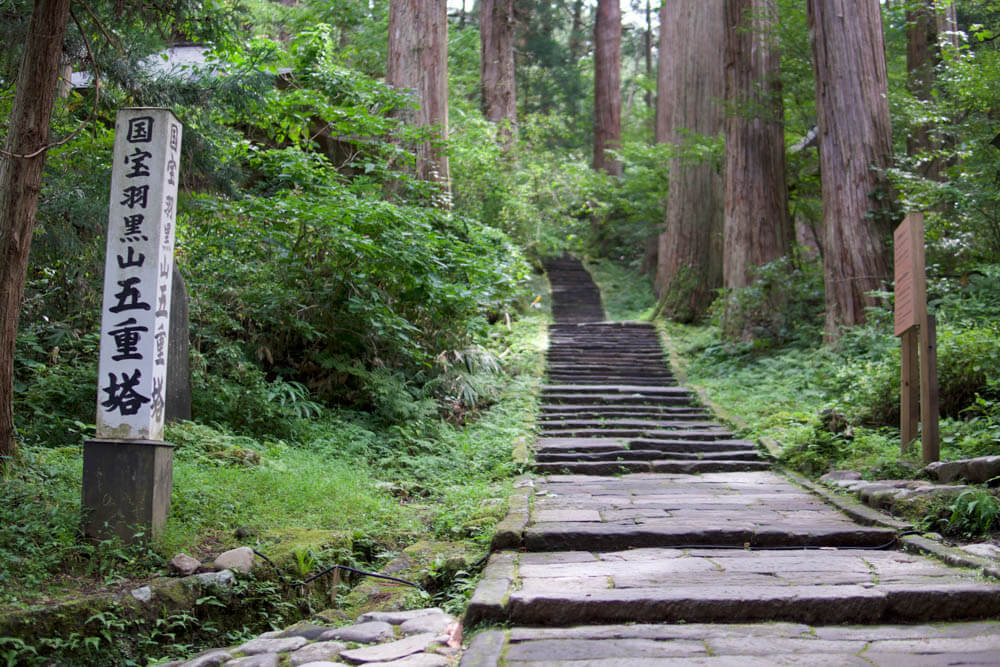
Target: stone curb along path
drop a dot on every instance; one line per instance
(651, 536)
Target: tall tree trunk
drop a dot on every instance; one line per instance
(947, 22)
(647, 46)
(854, 143)
(418, 62)
(607, 86)
(926, 20)
(757, 226)
(496, 32)
(576, 34)
(690, 90)
(20, 184)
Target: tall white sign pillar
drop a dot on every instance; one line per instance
(128, 469)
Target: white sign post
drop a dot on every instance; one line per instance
(128, 467)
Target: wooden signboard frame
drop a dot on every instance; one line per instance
(919, 400)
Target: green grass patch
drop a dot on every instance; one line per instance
(625, 296)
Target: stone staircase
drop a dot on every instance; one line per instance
(650, 535)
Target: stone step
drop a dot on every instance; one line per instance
(744, 645)
(640, 424)
(583, 398)
(645, 455)
(616, 389)
(718, 585)
(619, 414)
(546, 444)
(630, 465)
(597, 411)
(678, 434)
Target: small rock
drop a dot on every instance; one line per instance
(143, 594)
(244, 532)
(983, 469)
(262, 660)
(840, 476)
(317, 652)
(270, 634)
(321, 663)
(945, 471)
(331, 616)
(272, 645)
(436, 623)
(398, 617)
(184, 565)
(362, 633)
(211, 658)
(304, 629)
(223, 578)
(391, 651)
(240, 559)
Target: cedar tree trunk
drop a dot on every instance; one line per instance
(607, 85)
(689, 101)
(20, 184)
(418, 62)
(757, 226)
(854, 143)
(496, 33)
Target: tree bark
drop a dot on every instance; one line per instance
(691, 87)
(926, 22)
(418, 62)
(854, 144)
(496, 32)
(20, 185)
(757, 226)
(607, 86)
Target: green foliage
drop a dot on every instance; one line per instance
(974, 513)
(783, 305)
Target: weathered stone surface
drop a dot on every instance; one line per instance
(391, 651)
(983, 550)
(398, 617)
(306, 630)
(239, 559)
(363, 633)
(209, 659)
(316, 652)
(260, 660)
(436, 623)
(271, 645)
(983, 469)
(143, 594)
(416, 660)
(221, 578)
(184, 565)
(840, 475)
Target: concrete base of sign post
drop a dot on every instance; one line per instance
(126, 487)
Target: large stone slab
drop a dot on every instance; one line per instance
(738, 645)
(711, 585)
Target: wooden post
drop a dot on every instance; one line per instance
(917, 332)
(909, 385)
(929, 398)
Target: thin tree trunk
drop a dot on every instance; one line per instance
(854, 143)
(576, 34)
(757, 226)
(496, 31)
(648, 51)
(689, 262)
(418, 62)
(925, 22)
(607, 86)
(20, 184)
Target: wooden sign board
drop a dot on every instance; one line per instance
(910, 278)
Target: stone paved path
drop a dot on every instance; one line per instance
(655, 519)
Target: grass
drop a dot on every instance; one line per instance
(377, 486)
(625, 296)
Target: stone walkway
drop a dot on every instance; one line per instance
(657, 521)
